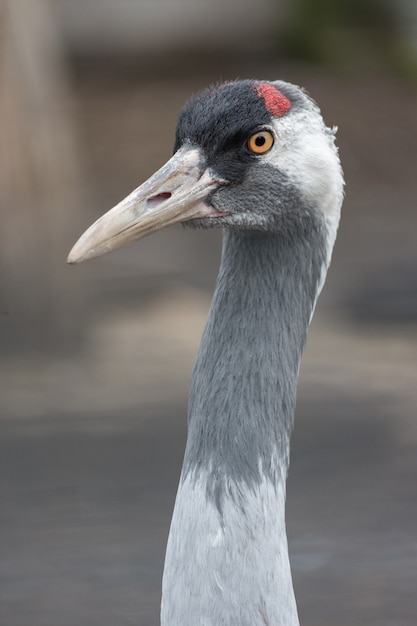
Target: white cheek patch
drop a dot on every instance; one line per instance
(310, 160)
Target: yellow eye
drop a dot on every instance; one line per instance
(261, 142)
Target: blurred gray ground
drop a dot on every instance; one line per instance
(92, 439)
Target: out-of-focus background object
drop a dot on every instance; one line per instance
(95, 360)
(40, 184)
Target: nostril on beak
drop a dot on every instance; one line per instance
(153, 201)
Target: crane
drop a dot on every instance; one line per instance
(254, 158)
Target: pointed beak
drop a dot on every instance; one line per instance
(177, 192)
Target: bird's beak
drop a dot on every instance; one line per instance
(175, 193)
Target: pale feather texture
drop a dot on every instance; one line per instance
(224, 572)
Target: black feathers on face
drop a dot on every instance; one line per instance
(219, 120)
(257, 196)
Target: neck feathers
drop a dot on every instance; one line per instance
(243, 388)
(227, 556)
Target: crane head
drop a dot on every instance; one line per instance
(249, 155)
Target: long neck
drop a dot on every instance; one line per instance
(244, 381)
(232, 488)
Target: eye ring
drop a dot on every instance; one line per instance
(260, 142)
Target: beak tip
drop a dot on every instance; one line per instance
(71, 260)
(76, 256)
(85, 248)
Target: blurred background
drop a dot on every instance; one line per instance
(95, 359)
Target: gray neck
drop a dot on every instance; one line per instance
(227, 556)
(243, 387)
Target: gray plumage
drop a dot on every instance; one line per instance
(246, 371)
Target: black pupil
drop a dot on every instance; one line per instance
(260, 141)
